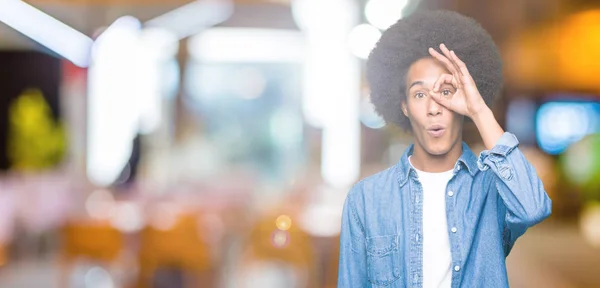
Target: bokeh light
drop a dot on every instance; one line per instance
(362, 40)
(560, 124)
(165, 216)
(368, 115)
(100, 204)
(283, 222)
(383, 13)
(280, 239)
(97, 277)
(581, 165)
(590, 224)
(127, 217)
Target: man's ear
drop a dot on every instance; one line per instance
(404, 108)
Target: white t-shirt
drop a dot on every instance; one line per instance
(437, 259)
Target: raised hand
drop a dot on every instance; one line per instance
(466, 99)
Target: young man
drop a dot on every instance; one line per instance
(440, 217)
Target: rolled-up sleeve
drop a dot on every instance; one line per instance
(352, 264)
(518, 185)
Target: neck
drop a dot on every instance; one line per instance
(426, 162)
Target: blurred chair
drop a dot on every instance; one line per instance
(91, 240)
(278, 254)
(178, 247)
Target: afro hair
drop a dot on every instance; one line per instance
(408, 40)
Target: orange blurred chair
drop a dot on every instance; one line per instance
(178, 246)
(94, 240)
(276, 240)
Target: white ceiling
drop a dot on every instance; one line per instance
(88, 19)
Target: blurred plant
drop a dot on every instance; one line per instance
(35, 140)
(581, 165)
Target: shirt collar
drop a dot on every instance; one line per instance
(467, 159)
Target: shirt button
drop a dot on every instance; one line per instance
(450, 193)
(456, 268)
(453, 229)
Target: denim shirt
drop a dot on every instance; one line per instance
(490, 202)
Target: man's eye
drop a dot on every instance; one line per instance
(447, 92)
(419, 95)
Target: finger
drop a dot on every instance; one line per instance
(444, 78)
(444, 60)
(457, 85)
(460, 64)
(451, 66)
(448, 55)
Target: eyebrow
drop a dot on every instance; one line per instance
(415, 83)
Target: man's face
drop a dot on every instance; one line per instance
(436, 129)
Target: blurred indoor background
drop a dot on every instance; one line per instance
(211, 143)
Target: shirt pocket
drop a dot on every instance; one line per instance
(383, 260)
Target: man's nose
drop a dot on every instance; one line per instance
(433, 108)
